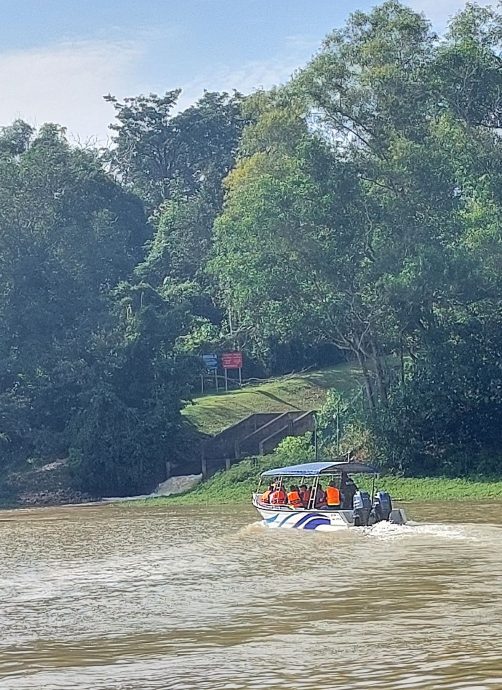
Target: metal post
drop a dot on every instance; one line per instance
(240, 377)
(226, 380)
(338, 427)
(216, 379)
(202, 384)
(315, 439)
(313, 493)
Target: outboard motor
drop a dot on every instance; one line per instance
(382, 506)
(362, 508)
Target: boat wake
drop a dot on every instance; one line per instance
(383, 531)
(254, 528)
(387, 531)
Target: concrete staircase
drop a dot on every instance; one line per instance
(257, 434)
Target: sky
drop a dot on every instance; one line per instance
(58, 58)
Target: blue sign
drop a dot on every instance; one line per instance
(210, 361)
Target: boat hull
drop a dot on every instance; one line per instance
(287, 517)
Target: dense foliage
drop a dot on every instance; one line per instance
(364, 210)
(357, 209)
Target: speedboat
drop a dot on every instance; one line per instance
(357, 509)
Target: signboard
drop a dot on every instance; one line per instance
(231, 360)
(210, 361)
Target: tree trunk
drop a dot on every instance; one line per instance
(380, 374)
(368, 385)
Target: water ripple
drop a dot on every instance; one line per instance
(107, 598)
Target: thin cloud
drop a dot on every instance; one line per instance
(66, 84)
(252, 75)
(440, 11)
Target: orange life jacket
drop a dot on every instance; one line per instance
(265, 497)
(332, 496)
(294, 499)
(278, 497)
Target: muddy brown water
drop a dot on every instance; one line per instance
(114, 598)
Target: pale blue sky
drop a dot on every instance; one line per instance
(59, 57)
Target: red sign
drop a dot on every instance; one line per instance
(231, 360)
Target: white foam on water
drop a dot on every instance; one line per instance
(390, 531)
(253, 528)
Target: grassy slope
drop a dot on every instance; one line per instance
(307, 391)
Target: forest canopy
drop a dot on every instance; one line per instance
(354, 211)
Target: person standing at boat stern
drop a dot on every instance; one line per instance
(348, 489)
(333, 498)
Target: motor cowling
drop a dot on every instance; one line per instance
(382, 506)
(361, 508)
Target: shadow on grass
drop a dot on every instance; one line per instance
(276, 398)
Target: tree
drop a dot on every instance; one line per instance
(68, 233)
(182, 240)
(15, 139)
(160, 155)
(468, 67)
(129, 423)
(366, 219)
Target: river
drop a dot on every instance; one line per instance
(135, 598)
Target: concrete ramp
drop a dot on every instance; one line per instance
(177, 485)
(170, 487)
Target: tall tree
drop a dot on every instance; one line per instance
(68, 233)
(348, 221)
(161, 155)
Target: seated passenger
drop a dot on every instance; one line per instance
(305, 495)
(333, 498)
(320, 497)
(278, 495)
(294, 498)
(265, 497)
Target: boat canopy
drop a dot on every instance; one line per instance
(313, 469)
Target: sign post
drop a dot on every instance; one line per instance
(231, 360)
(211, 364)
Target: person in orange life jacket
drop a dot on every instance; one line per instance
(305, 495)
(333, 498)
(294, 498)
(320, 497)
(278, 496)
(265, 497)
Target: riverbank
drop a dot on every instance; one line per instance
(236, 485)
(48, 485)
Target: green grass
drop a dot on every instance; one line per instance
(305, 391)
(236, 486)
